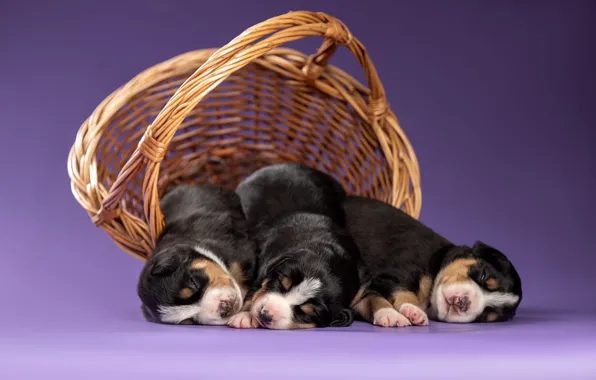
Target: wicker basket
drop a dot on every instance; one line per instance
(248, 104)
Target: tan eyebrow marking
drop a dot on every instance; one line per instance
(492, 283)
(217, 276)
(308, 308)
(286, 282)
(455, 272)
(185, 293)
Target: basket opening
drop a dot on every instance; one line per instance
(258, 116)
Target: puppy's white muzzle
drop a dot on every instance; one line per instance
(273, 311)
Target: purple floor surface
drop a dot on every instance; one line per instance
(537, 345)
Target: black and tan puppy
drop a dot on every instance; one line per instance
(307, 262)
(203, 260)
(413, 269)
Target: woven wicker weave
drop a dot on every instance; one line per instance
(248, 104)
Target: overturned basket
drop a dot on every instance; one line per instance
(248, 104)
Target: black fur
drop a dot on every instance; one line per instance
(204, 215)
(296, 218)
(398, 250)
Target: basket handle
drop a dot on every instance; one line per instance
(235, 55)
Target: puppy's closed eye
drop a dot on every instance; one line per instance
(485, 278)
(199, 278)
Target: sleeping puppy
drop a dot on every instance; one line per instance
(203, 260)
(413, 269)
(307, 262)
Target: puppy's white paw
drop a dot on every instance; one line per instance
(403, 321)
(389, 317)
(414, 314)
(243, 320)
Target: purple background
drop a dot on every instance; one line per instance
(497, 97)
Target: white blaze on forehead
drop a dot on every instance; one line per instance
(177, 314)
(210, 255)
(300, 293)
(499, 299)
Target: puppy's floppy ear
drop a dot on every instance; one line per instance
(492, 256)
(482, 249)
(343, 318)
(500, 262)
(164, 265)
(275, 263)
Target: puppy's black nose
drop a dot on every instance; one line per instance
(464, 303)
(265, 317)
(226, 309)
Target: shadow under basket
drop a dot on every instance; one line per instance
(215, 116)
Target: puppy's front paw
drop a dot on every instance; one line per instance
(389, 317)
(243, 320)
(414, 314)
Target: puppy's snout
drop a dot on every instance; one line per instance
(462, 303)
(226, 309)
(265, 317)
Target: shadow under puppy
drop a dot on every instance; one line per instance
(413, 269)
(203, 260)
(308, 263)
